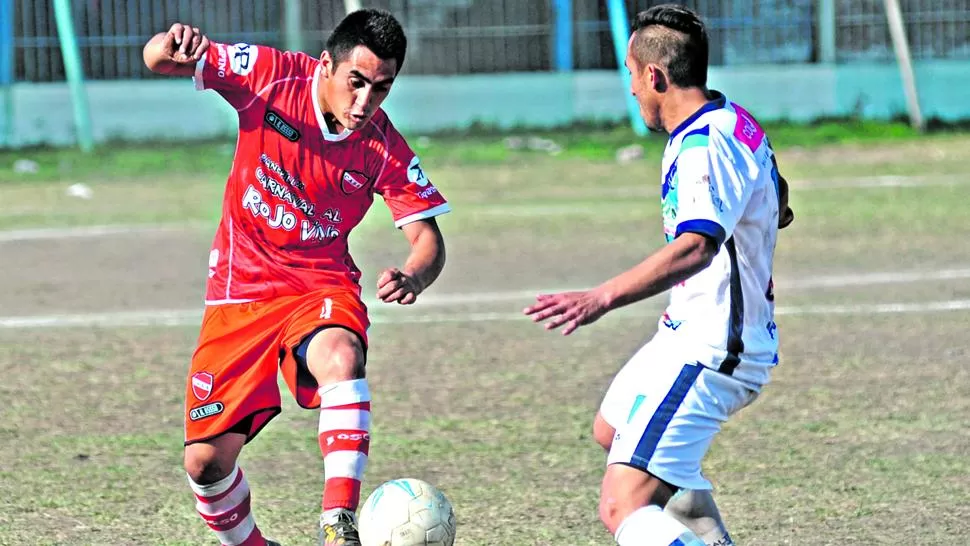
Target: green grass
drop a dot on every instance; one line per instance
(164, 162)
(859, 439)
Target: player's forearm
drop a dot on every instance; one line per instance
(685, 257)
(427, 258)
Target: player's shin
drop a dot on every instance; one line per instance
(224, 505)
(696, 509)
(650, 526)
(344, 437)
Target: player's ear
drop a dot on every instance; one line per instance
(326, 63)
(658, 78)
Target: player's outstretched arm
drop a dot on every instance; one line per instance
(785, 214)
(422, 267)
(676, 262)
(175, 52)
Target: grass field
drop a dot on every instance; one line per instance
(860, 439)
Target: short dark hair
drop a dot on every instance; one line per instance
(375, 29)
(675, 38)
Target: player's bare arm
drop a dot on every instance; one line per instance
(676, 262)
(175, 52)
(422, 267)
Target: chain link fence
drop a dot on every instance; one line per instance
(484, 36)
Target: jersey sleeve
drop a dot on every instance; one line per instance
(239, 71)
(405, 187)
(714, 189)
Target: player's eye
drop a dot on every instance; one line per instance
(382, 89)
(356, 83)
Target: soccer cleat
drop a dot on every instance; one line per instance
(338, 527)
(272, 543)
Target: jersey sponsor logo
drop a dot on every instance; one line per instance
(242, 58)
(275, 218)
(426, 193)
(315, 231)
(352, 181)
(286, 177)
(222, 61)
(747, 130)
(281, 126)
(416, 174)
(284, 193)
(202, 385)
(705, 180)
(207, 410)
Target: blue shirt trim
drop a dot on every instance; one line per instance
(704, 227)
(718, 102)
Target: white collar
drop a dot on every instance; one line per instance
(327, 135)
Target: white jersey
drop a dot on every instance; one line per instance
(720, 179)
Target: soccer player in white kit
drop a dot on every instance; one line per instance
(723, 202)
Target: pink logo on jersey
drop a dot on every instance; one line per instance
(202, 385)
(747, 129)
(352, 181)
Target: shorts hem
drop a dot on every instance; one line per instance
(273, 412)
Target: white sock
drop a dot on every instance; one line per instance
(650, 526)
(344, 437)
(224, 506)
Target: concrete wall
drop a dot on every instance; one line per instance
(172, 109)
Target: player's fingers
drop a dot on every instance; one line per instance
(196, 41)
(385, 277)
(203, 47)
(186, 39)
(552, 311)
(571, 327)
(566, 316)
(408, 298)
(542, 304)
(175, 31)
(395, 295)
(388, 288)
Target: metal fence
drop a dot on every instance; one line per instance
(481, 36)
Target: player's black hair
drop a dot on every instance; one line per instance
(674, 37)
(375, 29)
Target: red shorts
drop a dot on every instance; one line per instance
(242, 347)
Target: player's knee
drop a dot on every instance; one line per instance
(335, 355)
(204, 466)
(602, 432)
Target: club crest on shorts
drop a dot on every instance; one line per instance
(202, 385)
(352, 181)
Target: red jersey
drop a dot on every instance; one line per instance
(296, 190)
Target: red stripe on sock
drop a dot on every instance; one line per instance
(344, 440)
(341, 493)
(220, 496)
(254, 539)
(365, 406)
(229, 519)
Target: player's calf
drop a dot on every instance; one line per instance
(631, 503)
(221, 490)
(696, 509)
(335, 358)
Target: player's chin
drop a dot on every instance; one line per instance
(355, 121)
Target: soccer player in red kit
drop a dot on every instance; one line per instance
(282, 293)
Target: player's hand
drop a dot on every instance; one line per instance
(785, 214)
(396, 286)
(572, 309)
(185, 44)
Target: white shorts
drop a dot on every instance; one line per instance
(666, 410)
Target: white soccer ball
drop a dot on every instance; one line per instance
(407, 512)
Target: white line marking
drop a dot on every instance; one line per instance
(193, 317)
(830, 281)
(40, 234)
(510, 209)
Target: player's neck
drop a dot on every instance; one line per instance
(333, 126)
(680, 104)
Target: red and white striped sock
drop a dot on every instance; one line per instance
(224, 505)
(344, 436)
